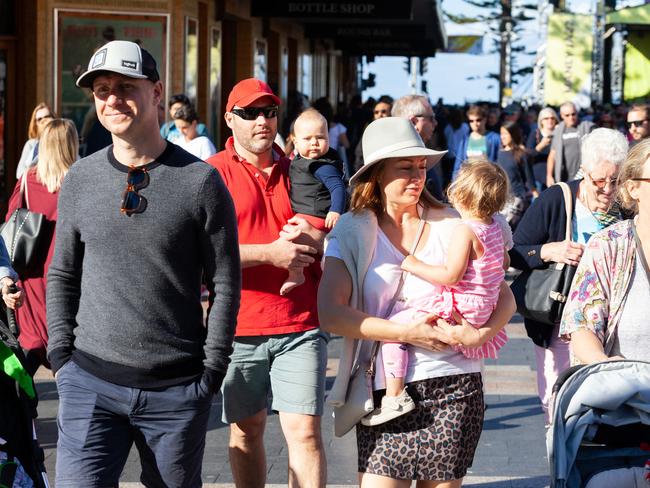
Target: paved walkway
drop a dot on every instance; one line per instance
(511, 452)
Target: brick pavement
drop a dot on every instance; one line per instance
(511, 452)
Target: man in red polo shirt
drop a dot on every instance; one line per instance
(278, 344)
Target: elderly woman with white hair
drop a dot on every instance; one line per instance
(540, 237)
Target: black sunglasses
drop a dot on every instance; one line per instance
(251, 113)
(132, 201)
(636, 123)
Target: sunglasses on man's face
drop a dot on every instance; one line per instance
(251, 113)
(132, 201)
(635, 123)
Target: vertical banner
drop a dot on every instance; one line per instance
(568, 59)
(637, 66)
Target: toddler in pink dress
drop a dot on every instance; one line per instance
(471, 278)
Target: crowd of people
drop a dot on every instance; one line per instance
(392, 222)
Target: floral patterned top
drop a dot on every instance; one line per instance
(601, 283)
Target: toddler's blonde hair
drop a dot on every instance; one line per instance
(481, 188)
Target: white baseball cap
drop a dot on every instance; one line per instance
(122, 57)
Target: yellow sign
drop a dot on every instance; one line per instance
(636, 85)
(568, 59)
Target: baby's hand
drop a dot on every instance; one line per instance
(331, 219)
(409, 262)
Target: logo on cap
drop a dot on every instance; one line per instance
(129, 64)
(99, 59)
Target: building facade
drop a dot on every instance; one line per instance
(203, 48)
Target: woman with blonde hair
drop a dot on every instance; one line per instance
(41, 115)
(604, 317)
(38, 189)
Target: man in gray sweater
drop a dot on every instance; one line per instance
(141, 224)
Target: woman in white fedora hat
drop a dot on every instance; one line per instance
(392, 215)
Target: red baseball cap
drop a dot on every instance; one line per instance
(247, 91)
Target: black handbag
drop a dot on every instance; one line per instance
(25, 235)
(541, 293)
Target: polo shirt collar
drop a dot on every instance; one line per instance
(234, 156)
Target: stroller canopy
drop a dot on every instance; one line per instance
(611, 393)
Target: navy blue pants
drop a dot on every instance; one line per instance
(99, 421)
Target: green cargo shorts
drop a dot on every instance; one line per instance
(291, 366)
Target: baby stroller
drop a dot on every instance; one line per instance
(21, 457)
(600, 435)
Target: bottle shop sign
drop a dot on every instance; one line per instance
(368, 9)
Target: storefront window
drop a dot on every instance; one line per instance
(215, 83)
(305, 75)
(191, 58)
(3, 109)
(78, 36)
(260, 61)
(284, 75)
(7, 17)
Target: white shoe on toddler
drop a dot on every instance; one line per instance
(391, 408)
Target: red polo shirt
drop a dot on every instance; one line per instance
(263, 207)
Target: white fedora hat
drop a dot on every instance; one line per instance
(392, 137)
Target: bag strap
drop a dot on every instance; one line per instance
(23, 191)
(639, 247)
(568, 205)
(398, 290)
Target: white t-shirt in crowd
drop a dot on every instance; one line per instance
(201, 147)
(379, 287)
(632, 340)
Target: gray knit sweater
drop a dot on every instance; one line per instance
(123, 292)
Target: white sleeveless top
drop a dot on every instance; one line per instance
(379, 287)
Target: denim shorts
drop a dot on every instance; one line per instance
(291, 366)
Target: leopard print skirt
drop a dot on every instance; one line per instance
(436, 441)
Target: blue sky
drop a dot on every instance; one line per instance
(447, 73)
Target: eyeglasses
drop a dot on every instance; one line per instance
(477, 121)
(635, 123)
(603, 182)
(251, 113)
(44, 117)
(430, 118)
(132, 201)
